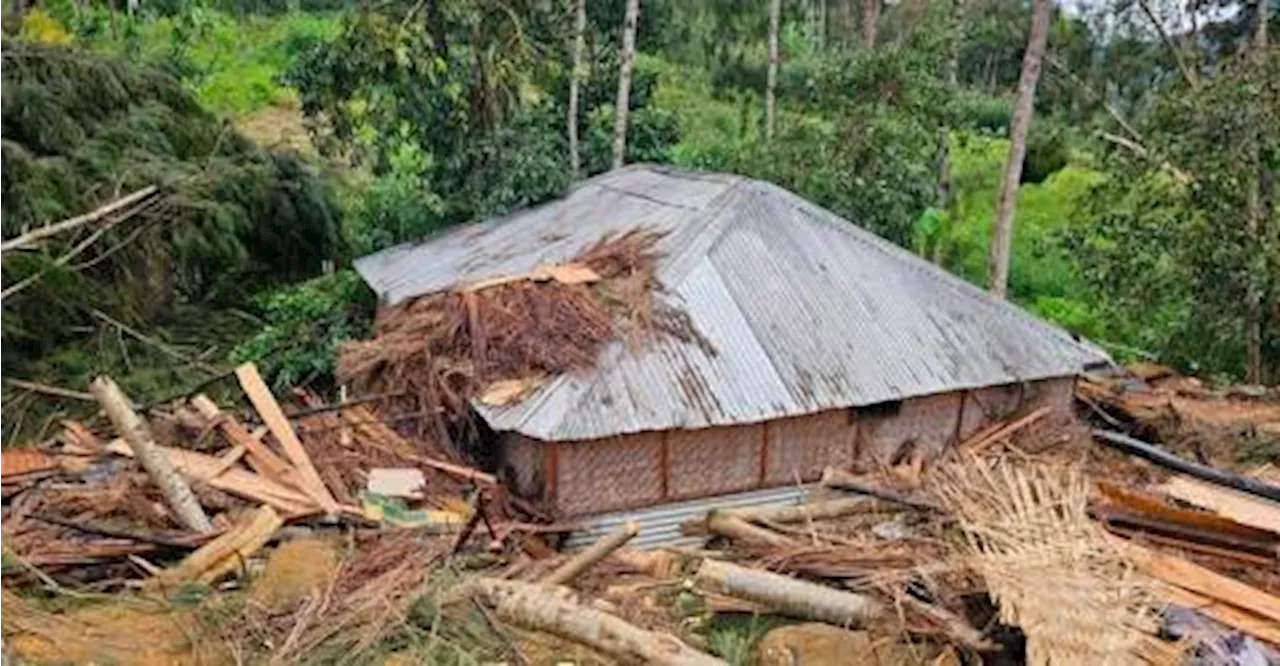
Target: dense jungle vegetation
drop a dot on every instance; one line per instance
(288, 138)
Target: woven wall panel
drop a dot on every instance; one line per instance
(712, 461)
(609, 474)
(927, 423)
(522, 465)
(1058, 393)
(802, 447)
(987, 405)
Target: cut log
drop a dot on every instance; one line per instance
(274, 418)
(1227, 502)
(553, 610)
(841, 480)
(593, 554)
(788, 596)
(225, 553)
(136, 433)
(823, 510)
(728, 525)
(1167, 460)
(238, 482)
(261, 458)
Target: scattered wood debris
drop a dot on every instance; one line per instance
(1075, 546)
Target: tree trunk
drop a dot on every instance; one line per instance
(956, 34)
(770, 112)
(575, 76)
(136, 433)
(624, 82)
(551, 609)
(848, 26)
(1002, 226)
(1254, 212)
(787, 596)
(870, 22)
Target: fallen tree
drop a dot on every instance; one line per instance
(552, 609)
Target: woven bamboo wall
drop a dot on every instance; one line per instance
(801, 447)
(713, 461)
(633, 471)
(608, 474)
(927, 424)
(989, 404)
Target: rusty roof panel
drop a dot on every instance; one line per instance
(804, 310)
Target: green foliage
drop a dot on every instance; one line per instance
(80, 130)
(233, 63)
(1164, 242)
(469, 87)
(303, 325)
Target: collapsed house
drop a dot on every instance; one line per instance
(817, 344)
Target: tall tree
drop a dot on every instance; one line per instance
(955, 33)
(870, 21)
(575, 76)
(1006, 205)
(848, 29)
(770, 102)
(1255, 216)
(624, 81)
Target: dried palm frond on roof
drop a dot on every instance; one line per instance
(443, 349)
(1052, 571)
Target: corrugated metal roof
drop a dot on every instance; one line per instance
(805, 310)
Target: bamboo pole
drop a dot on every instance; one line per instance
(138, 436)
(593, 554)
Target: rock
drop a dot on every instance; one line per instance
(813, 644)
(296, 570)
(817, 644)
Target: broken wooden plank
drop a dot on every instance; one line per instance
(275, 420)
(229, 458)
(18, 462)
(261, 458)
(1227, 502)
(1006, 431)
(136, 432)
(239, 482)
(1232, 616)
(225, 553)
(1191, 576)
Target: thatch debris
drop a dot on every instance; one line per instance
(1050, 568)
(442, 350)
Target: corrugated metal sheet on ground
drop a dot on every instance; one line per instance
(660, 525)
(805, 311)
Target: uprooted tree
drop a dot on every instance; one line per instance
(81, 130)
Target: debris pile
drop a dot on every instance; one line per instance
(332, 538)
(495, 339)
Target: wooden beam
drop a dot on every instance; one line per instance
(274, 418)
